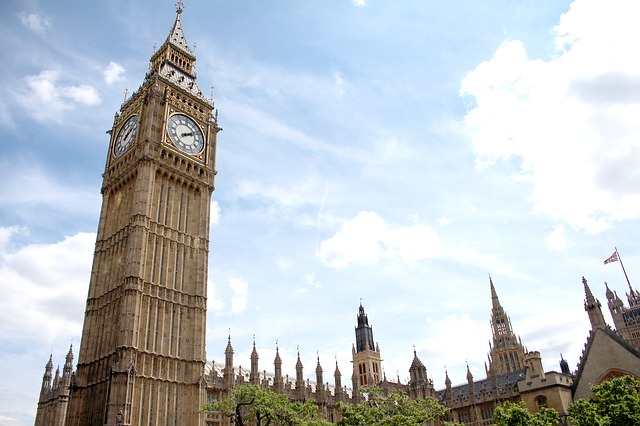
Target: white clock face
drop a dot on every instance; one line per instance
(185, 134)
(125, 135)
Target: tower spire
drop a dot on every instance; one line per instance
(176, 36)
(507, 353)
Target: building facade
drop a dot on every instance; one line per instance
(142, 354)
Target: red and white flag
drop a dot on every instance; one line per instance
(612, 258)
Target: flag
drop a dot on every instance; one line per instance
(612, 258)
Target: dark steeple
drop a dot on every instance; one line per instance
(564, 366)
(364, 332)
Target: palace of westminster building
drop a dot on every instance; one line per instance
(142, 353)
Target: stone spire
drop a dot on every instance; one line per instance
(319, 382)
(470, 381)
(254, 375)
(300, 389)
(447, 383)
(176, 36)
(46, 378)
(338, 381)
(67, 371)
(277, 363)
(507, 353)
(593, 308)
(229, 379)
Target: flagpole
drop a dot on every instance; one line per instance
(625, 272)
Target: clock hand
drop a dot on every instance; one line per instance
(186, 134)
(126, 135)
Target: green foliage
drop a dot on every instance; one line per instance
(393, 410)
(250, 404)
(512, 414)
(615, 402)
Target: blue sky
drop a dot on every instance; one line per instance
(392, 152)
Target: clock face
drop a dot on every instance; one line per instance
(185, 134)
(125, 135)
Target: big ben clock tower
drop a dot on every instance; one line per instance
(142, 355)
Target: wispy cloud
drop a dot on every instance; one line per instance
(22, 191)
(36, 23)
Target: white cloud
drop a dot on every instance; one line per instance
(359, 3)
(36, 23)
(310, 282)
(444, 221)
(570, 121)
(240, 290)
(367, 239)
(214, 217)
(46, 98)
(340, 83)
(113, 73)
(557, 240)
(214, 304)
(44, 287)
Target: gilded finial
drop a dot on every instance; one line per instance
(179, 7)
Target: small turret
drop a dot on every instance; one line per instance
(593, 308)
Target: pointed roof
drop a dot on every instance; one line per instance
(49, 365)
(277, 360)
(416, 363)
(608, 293)
(176, 36)
(254, 352)
(604, 347)
(495, 302)
(299, 362)
(590, 300)
(229, 349)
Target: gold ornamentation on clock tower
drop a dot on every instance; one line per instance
(142, 354)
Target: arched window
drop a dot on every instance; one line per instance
(541, 401)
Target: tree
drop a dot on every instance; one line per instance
(512, 414)
(615, 402)
(251, 404)
(393, 410)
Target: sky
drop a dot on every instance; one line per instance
(393, 154)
